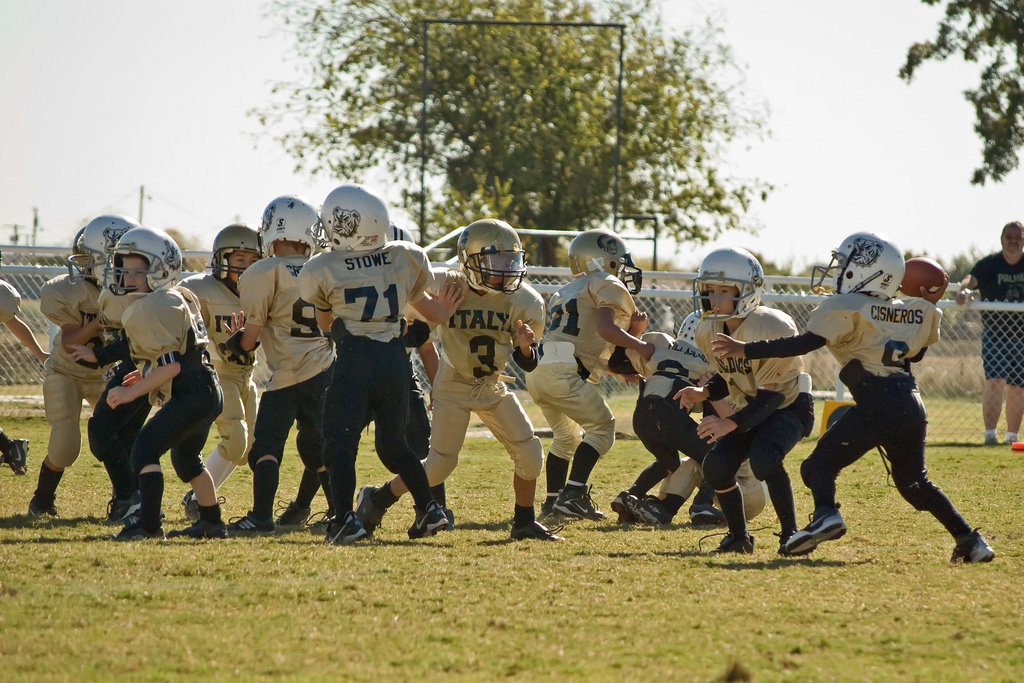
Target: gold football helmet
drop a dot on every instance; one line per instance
(492, 255)
(594, 251)
(235, 237)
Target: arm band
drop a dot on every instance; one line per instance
(527, 364)
(717, 388)
(619, 362)
(169, 358)
(114, 351)
(783, 347)
(757, 409)
(417, 333)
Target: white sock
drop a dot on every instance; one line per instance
(220, 467)
(990, 433)
(1011, 437)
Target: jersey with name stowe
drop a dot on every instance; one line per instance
(745, 376)
(480, 337)
(293, 345)
(67, 301)
(217, 303)
(672, 360)
(572, 317)
(880, 334)
(367, 290)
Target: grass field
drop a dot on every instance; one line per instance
(610, 603)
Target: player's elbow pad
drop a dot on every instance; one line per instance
(417, 333)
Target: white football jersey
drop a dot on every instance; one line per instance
(673, 361)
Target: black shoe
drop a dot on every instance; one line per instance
(735, 544)
(784, 550)
(450, 516)
(648, 510)
(370, 516)
(191, 505)
(429, 521)
(972, 547)
(201, 529)
(575, 501)
(619, 507)
(251, 524)
(547, 509)
(535, 530)
(706, 515)
(120, 508)
(826, 525)
(320, 519)
(345, 531)
(16, 456)
(137, 532)
(37, 509)
(292, 515)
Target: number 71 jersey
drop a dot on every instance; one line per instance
(880, 334)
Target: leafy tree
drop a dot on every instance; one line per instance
(990, 32)
(520, 121)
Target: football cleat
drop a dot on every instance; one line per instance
(16, 456)
(783, 539)
(826, 525)
(535, 530)
(191, 506)
(619, 507)
(575, 501)
(547, 508)
(972, 547)
(201, 529)
(319, 519)
(292, 515)
(648, 510)
(706, 515)
(347, 531)
(429, 521)
(137, 532)
(370, 516)
(37, 509)
(119, 508)
(251, 524)
(735, 544)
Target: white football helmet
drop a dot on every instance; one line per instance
(492, 255)
(292, 218)
(157, 247)
(688, 328)
(355, 219)
(734, 267)
(865, 262)
(95, 243)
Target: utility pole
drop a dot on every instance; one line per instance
(35, 224)
(142, 196)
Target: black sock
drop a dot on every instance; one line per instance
(705, 495)
(781, 493)
(151, 489)
(5, 443)
(440, 495)
(265, 477)
(46, 489)
(120, 473)
(556, 470)
(523, 516)
(732, 507)
(383, 498)
(648, 478)
(309, 484)
(210, 513)
(672, 503)
(583, 462)
(325, 485)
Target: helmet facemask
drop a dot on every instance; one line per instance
(501, 271)
(630, 274)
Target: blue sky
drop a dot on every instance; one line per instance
(101, 98)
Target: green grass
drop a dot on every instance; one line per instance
(610, 603)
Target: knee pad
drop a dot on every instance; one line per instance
(65, 443)
(918, 492)
(717, 473)
(764, 464)
(187, 468)
(438, 467)
(684, 480)
(255, 456)
(310, 444)
(234, 435)
(528, 458)
(755, 491)
(601, 437)
(564, 444)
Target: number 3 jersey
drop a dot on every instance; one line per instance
(572, 317)
(367, 290)
(292, 343)
(481, 335)
(880, 334)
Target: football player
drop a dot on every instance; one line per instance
(586, 318)
(14, 452)
(494, 322)
(71, 302)
(360, 288)
(298, 355)
(235, 248)
(771, 414)
(167, 340)
(874, 337)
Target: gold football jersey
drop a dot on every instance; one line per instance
(70, 302)
(293, 344)
(481, 336)
(572, 317)
(672, 360)
(880, 334)
(367, 290)
(10, 302)
(217, 303)
(159, 323)
(744, 375)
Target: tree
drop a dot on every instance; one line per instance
(992, 33)
(520, 121)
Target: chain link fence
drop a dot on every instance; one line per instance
(951, 376)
